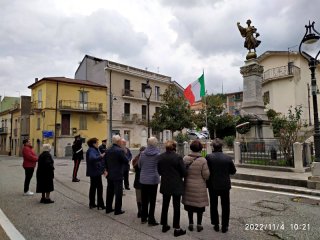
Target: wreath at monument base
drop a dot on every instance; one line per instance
(243, 125)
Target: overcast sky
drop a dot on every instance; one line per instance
(178, 38)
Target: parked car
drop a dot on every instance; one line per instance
(195, 135)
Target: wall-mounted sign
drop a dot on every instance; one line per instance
(47, 134)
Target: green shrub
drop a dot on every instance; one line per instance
(229, 141)
(180, 138)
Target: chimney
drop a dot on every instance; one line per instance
(36, 80)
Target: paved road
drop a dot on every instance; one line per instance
(70, 218)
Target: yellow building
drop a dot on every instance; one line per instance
(62, 108)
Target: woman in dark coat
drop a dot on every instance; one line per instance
(172, 171)
(95, 168)
(45, 174)
(136, 183)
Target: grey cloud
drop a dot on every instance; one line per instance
(37, 41)
(212, 29)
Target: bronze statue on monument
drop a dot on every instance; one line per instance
(250, 34)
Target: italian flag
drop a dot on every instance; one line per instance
(195, 90)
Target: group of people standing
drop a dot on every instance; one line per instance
(183, 179)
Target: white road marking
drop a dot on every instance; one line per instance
(281, 193)
(8, 227)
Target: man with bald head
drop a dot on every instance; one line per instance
(115, 161)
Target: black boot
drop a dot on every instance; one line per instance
(139, 209)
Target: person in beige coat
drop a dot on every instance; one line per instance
(195, 197)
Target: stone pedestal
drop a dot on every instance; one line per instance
(252, 104)
(252, 89)
(314, 180)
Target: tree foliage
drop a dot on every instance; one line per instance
(174, 113)
(219, 124)
(286, 128)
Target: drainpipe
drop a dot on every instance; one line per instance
(55, 120)
(110, 111)
(11, 122)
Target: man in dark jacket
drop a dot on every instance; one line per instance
(103, 146)
(172, 170)
(221, 167)
(115, 160)
(76, 157)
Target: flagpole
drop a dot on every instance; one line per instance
(205, 102)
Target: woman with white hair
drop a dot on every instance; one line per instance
(149, 179)
(45, 174)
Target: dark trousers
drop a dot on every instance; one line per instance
(148, 201)
(28, 176)
(96, 186)
(176, 210)
(75, 168)
(199, 217)
(225, 205)
(126, 178)
(114, 188)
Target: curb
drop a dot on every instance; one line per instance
(274, 187)
(273, 180)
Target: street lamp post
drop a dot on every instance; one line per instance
(147, 94)
(310, 50)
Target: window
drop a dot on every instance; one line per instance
(38, 123)
(127, 87)
(127, 108)
(83, 100)
(237, 97)
(157, 93)
(126, 134)
(266, 98)
(126, 115)
(157, 109)
(143, 87)
(83, 122)
(144, 112)
(39, 98)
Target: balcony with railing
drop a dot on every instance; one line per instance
(77, 106)
(280, 72)
(132, 94)
(128, 118)
(3, 130)
(36, 105)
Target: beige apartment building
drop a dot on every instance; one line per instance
(128, 103)
(286, 82)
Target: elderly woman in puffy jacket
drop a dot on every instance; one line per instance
(95, 168)
(195, 197)
(149, 179)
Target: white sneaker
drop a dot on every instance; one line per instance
(28, 193)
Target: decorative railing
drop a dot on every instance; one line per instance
(3, 130)
(80, 106)
(128, 118)
(140, 94)
(279, 72)
(36, 105)
(261, 153)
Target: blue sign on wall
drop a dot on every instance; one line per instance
(47, 134)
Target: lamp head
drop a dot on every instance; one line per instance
(310, 45)
(147, 90)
